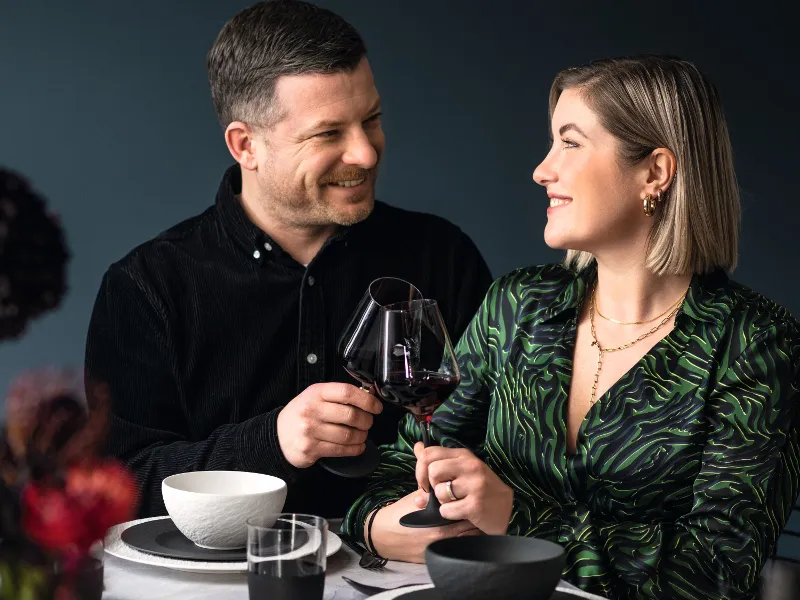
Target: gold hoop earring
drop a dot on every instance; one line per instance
(649, 206)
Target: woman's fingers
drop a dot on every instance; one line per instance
(421, 470)
(448, 469)
(456, 511)
(457, 486)
(434, 453)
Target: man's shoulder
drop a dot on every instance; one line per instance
(388, 216)
(165, 249)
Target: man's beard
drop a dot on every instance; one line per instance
(300, 210)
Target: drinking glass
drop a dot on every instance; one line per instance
(286, 557)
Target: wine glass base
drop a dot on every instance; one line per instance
(354, 467)
(424, 518)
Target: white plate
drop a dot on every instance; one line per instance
(399, 593)
(116, 547)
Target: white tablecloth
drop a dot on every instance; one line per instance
(131, 581)
(126, 580)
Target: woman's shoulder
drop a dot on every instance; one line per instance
(540, 280)
(535, 292)
(734, 317)
(753, 313)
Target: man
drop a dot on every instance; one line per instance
(217, 337)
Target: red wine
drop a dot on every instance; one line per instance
(362, 371)
(420, 395)
(285, 580)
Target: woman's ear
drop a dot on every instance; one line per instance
(661, 171)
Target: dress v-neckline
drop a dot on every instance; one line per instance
(601, 401)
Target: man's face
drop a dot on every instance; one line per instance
(317, 165)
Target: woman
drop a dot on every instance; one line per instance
(634, 405)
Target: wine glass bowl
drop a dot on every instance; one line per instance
(358, 343)
(416, 370)
(419, 395)
(358, 349)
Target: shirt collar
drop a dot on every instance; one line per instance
(244, 232)
(251, 238)
(708, 298)
(567, 296)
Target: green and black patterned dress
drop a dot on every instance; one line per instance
(686, 469)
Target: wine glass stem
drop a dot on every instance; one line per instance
(426, 433)
(433, 502)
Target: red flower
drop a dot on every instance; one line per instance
(71, 518)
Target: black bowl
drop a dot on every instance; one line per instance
(497, 567)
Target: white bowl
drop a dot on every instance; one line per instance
(211, 508)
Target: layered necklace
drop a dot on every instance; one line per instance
(670, 312)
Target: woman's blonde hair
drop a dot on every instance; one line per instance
(654, 102)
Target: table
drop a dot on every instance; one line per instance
(125, 580)
(131, 581)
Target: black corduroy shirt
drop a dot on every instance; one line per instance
(204, 333)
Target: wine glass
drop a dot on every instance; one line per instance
(417, 371)
(358, 347)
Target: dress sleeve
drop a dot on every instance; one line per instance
(748, 481)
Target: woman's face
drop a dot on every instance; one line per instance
(595, 199)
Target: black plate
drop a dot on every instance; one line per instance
(162, 538)
(432, 594)
(429, 594)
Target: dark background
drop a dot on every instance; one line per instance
(105, 107)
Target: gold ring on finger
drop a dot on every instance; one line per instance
(449, 487)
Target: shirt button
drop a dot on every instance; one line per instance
(267, 246)
(312, 359)
(256, 254)
(310, 280)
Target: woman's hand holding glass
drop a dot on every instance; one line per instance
(396, 542)
(467, 488)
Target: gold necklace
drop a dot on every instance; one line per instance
(602, 351)
(671, 306)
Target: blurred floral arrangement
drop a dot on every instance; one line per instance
(33, 256)
(58, 493)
